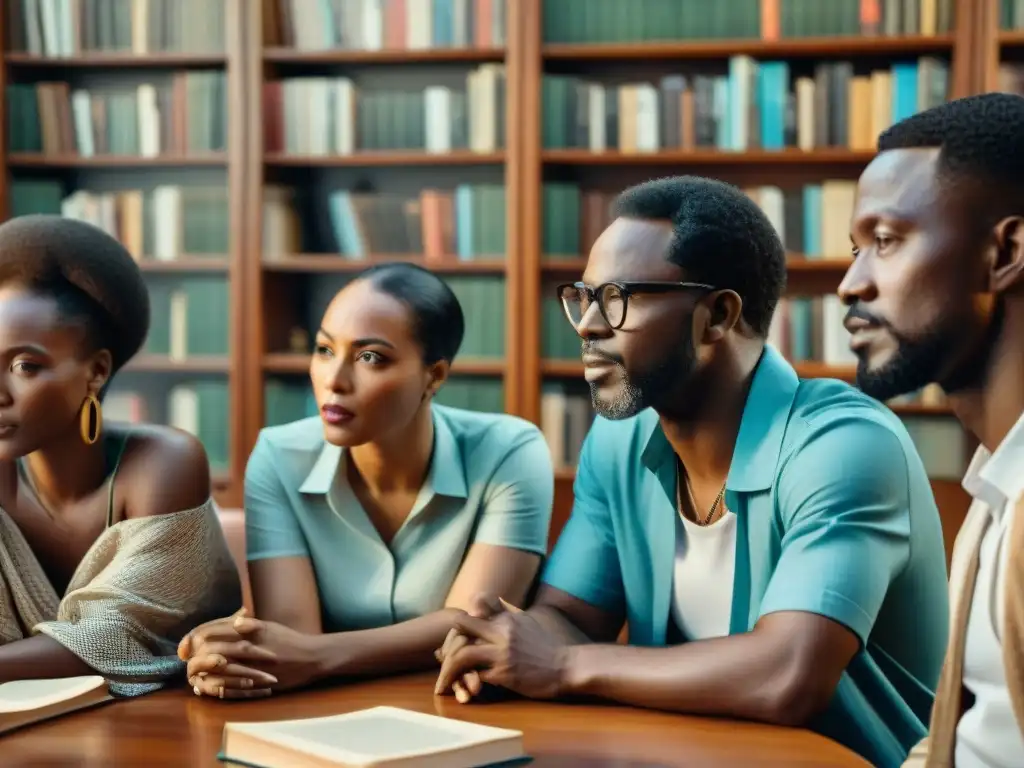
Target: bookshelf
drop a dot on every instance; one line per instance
(428, 145)
(572, 164)
(131, 122)
(287, 175)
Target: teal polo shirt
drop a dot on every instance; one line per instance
(490, 481)
(835, 516)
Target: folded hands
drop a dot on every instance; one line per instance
(493, 645)
(240, 657)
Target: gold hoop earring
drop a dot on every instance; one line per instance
(90, 419)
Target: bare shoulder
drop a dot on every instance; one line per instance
(163, 470)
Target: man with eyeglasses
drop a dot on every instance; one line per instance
(772, 544)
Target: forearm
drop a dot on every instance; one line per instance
(39, 657)
(559, 625)
(742, 676)
(405, 647)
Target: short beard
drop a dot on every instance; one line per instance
(919, 362)
(648, 389)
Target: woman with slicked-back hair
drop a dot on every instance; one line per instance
(110, 547)
(370, 526)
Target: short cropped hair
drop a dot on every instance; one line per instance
(980, 138)
(719, 236)
(89, 274)
(438, 321)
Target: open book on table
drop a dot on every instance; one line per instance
(25, 702)
(381, 737)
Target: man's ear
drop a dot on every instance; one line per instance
(1006, 266)
(724, 310)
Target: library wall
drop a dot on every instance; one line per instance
(254, 155)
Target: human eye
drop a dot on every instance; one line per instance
(25, 367)
(371, 357)
(322, 350)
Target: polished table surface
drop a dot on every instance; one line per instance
(176, 728)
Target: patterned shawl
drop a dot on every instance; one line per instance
(142, 585)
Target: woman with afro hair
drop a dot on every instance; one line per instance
(110, 545)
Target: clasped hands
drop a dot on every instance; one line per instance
(499, 645)
(240, 657)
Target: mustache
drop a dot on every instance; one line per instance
(589, 348)
(856, 312)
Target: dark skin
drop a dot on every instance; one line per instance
(790, 663)
(369, 361)
(45, 375)
(922, 263)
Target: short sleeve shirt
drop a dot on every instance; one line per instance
(490, 481)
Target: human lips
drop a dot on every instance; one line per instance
(336, 414)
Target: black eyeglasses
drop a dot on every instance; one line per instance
(612, 298)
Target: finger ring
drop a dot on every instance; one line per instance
(220, 691)
(195, 688)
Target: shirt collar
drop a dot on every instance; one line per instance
(997, 478)
(446, 477)
(762, 427)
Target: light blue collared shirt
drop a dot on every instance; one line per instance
(835, 516)
(490, 481)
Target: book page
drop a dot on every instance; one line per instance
(376, 736)
(24, 695)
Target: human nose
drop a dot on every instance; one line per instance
(592, 324)
(339, 376)
(858, 284)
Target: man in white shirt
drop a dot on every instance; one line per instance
(936, 294)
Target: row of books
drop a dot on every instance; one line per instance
(373, 25)
(612, 21)
(163, 223)
(61, 28)
(757, 105)
(184, 114)
(332, 116)
(74, 27)
(466, 223)
(197, 406)
(813, 220)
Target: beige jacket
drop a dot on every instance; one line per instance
(937, 750)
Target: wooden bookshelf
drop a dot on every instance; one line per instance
(267, 61)
(261, 280)
(747, 168)
(103, 172)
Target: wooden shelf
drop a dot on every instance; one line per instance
(126, 60)
(833, 47)
(561, 368)
(38, 160)
(287, 363)
(370, 159)
(186, 263)
(816, 370)
(164, 364)
(332, 262)
(829, 156)
(1011, 37)
(796, 263)
(398, 56)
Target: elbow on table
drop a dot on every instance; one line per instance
(797, 697)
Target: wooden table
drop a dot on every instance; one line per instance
(176, 728)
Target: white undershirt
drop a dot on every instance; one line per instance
(703, 577)
(988, 735)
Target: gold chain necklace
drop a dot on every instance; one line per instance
(682, 476)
